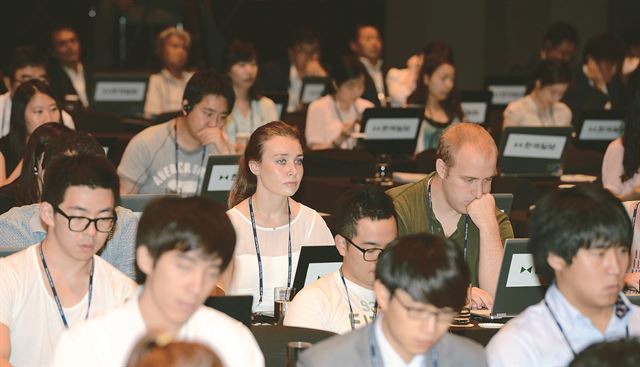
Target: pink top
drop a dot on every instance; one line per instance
(612, 169)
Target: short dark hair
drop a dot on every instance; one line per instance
(59, 28)
(302, 33)
(21, 57)
(604, 46)
(582, 217)
(347, 68)
(71, 143)
(204, 83)
(186, 224)
(79, 170)
(365, 201)
(618, 353)
(561, 31)
(550, 72)
(356, 30)
(430, 268)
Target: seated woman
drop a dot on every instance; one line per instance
(271, 228)
(542, 106)
(436, 92)
(621, 162)
(250, 110)
(332, 119)
(632, 278)
(164, 93)
(33, 105)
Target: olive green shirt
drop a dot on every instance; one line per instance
(415, 216)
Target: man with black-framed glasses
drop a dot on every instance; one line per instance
(421, 284)
(344, 300)
(60, 282)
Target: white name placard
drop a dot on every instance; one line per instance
(505, 94)
(391, 128)
(120, 91)
(474, 111)
(522, 273)
(311, 92)
(601, 129)
(317, 270)
(534, 146)
(222, 177)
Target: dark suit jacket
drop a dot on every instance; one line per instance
(61, 83)
(370, 91)
(582, 96)
(353, 349)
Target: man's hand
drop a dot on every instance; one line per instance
(483, 212)
(314, 68)
(210, 135)
(480, 299)
(594, 74)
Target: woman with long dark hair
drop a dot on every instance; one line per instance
(271, 227)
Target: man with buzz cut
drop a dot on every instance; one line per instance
(344, 300)
(60, 281)
(421, 285)
(183, 245)
(455, 201)
(580, 238)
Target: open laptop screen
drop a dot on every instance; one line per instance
(121, 93)
(315, 262)
(219, 177)
(391, 130)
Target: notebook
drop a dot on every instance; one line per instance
(518, 284)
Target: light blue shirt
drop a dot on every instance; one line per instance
(534, 339)
(21, 227)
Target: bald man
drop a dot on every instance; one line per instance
(455, 201)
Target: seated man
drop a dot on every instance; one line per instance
(21, 226)
(344, 300)
(367, 45)
(421, 285)
(71, 79)
(60, 281)
(455, 202)
(24, 64)
(580, 238)
(171, 157)
(183, 245)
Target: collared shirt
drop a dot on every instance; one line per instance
(78, 82)
(165, 92)
(605, 90)
(389, 355)
(295, 86)
(534, 339)
(375, 71)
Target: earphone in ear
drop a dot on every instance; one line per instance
(35, 170)
(186, 106)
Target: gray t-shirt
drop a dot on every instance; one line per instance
(149, 161)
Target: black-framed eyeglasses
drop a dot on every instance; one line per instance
(80, 224)
(370, 254)
(441, 316)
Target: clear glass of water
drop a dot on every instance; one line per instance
(281, 298)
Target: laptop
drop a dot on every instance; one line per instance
(518, 284)
(596, 129)
(137, 202)
(7, 251)
(533, 151)
(391, 130)
(475, 105)
(122, 93)
(315, 262)
(219, 177)
(237, 307)
(634, 298)
(504, 202)
(312, 89)
(505, 89)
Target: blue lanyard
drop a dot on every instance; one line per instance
(352, 320)
(635, 215)
(55, 293)
(374, 356)
(255, 240)
(466, 220)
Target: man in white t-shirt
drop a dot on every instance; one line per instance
(61, 281)
(344, 300)
(183, 244)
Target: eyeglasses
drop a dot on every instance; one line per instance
(79, 224)
(423, 314)
(370, 254)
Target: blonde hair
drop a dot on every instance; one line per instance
(171, 31)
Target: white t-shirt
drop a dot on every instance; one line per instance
(525, 112)
(307, 229)
(612, 169)
(108, 340)
(31, 314)
(324, 305)
(324, 125)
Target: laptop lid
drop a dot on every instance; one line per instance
(475, 105)
(219, 177)
(137, 202)
(391, 130)
(237, 307)
(312, 89)
(505, 89)
(596, 129)
(315, 262)
(518, 284)
(504, 202)
(122, 93)
(533, 151)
